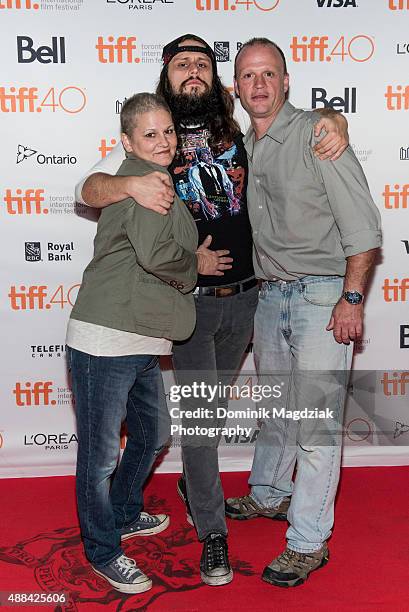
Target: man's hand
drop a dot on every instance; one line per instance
(153, 191)
(212, 263)
(346, 321)
(336, 140)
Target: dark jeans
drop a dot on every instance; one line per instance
(211, 355)
(108, 391)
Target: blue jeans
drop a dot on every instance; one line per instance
(108, 391)
(291, 345)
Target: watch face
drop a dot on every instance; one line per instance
(353, 297)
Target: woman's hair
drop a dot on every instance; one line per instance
(137, 105)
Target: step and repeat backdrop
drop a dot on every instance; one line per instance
(68, 66)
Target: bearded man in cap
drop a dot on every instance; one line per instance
(203, 113)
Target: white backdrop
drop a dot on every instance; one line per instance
(67, 67)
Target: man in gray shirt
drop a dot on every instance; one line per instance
(316, 231)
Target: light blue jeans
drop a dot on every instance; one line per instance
(292, 346)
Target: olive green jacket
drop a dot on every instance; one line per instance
(144, 267)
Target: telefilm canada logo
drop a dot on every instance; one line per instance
(49, 351)
(24, 152)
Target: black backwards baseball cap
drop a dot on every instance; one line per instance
(174, 47)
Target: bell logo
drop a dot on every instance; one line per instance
(397, 100)
(27, 204)
(104, 148)
(396, 385)
(318, 48)
(395, 291)
(18, 4)
(397, 197)
(399, 5)
(404, 337)
(347, 104)
(26, 54)
(34, 394)
(114, 51)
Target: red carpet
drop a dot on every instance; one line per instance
(369, 552)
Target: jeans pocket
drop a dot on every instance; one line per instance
(323, 293)
(151, 363)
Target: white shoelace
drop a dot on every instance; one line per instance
(147, 517)
(126, 566)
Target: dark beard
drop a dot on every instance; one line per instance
(192, 109)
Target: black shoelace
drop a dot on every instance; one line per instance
(216, 549)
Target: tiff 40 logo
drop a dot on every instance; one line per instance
(42, 297)
(360, 48)
(232, 5)
(70, 99)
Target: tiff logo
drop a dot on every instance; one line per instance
(28, 298)
(9, 101)
(112, 52)
(404, 153)
(399, 5)
(395, 198)
(404, 337)
(28, 204)
(35, 394)
(396, 385)
(26, 54)
(397, 100)
(396, 290)
(18, 4)
(104, 148)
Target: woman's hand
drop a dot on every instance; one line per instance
(212, 263)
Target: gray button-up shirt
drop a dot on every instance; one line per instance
(307, 215)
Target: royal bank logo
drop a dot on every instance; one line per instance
(400, 429)
(32, 251)
(222, 50)
(41, 159)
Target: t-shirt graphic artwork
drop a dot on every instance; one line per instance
(213, 187)
(210, 186)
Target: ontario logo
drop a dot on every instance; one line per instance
(24, 153)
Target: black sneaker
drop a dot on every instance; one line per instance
(215, 568)
(181, 489)
(124, 575)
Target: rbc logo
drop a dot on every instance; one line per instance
(33, 251)
(222, 51)
(26, 54)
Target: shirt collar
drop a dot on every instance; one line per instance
(277, 130)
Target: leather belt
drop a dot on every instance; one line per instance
(226, 291)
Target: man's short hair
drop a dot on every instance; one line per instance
(137, 105)
(264, 42)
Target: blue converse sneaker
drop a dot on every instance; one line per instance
(124, 575)
(145, 524)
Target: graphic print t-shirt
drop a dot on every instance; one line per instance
(213, 186)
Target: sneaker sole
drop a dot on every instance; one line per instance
(241, 517)
(216, 580)
(146, 532)
(290, 583)
(183, 498)
(139, 587)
